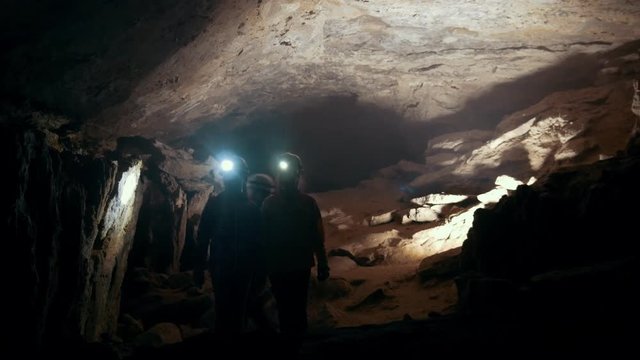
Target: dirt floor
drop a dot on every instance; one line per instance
(360, 295)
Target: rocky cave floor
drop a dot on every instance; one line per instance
(551, 268)
(385, 305)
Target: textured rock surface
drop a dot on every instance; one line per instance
(550, 251)
(161, 231)
(164, 69)
(439, 199)
(558, 223)
(564, 129)
(424, 60)
(156, 298)
(71, 220)
(492, 196)
(177, 187)
(423, 214)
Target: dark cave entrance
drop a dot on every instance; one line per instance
(340, 140)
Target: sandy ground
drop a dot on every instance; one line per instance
(385, 292)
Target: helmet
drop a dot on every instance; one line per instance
(261, 182)
(233, 166)
(289, 162)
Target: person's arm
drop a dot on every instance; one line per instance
(318, 244)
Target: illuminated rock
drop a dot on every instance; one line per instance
(493, 196)
(460, 142)
(507, 182)
(381, 219)
(338, 218)
(422, 214)
(439, 199)
(340, 264)
(445, 237)
(438, 208)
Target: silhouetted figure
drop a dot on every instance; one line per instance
(293, 234)
(259, 187)
(230, 231)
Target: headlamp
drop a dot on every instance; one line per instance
(227, 165)
(283, 165)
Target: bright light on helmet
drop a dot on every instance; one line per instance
(283, 165)
(227, 165)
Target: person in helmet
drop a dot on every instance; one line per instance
(294, 243)
(229, 232)
(259, 187)
(259, 310)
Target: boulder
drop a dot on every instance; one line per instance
(492, 196)
(441, 266)
(439, 209)
(341, 264)
(444, 237)
(559, 223)
(422, 214)
(439, 199)
(507, 182)
(160, 335)
(382, 218)
(373, 249)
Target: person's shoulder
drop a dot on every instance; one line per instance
(308, 199)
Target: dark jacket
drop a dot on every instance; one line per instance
(230, 232)
(293, 233)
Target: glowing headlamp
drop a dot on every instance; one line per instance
(283, 165)
(227, 165)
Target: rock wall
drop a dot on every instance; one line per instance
(565, 128)
(70, 225)
(161, 230)
(176, 190)
(165, 68)
(561, 247)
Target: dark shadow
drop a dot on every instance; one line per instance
(488, 109)
(341, 141)
(78, 57)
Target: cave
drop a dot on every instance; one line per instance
(475, 166)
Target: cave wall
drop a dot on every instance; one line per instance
(561, 248)
(176, 189)
(162, 225)
(70, 225)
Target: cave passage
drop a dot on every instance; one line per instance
(340, 140)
